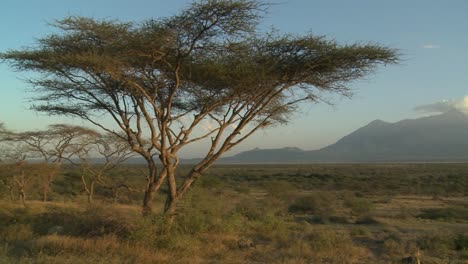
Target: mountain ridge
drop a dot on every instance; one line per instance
(435, 138)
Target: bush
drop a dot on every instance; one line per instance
(321, 204)
(367, 220)
(257, 209)
(359, 206)
(16, 232)
(437, 243)
(360, 232)
(393, 246)
(201, 211)
(461, 242)
(326, 239)
(93, 221)
(281, 189)
(450, 213)
(210, 182)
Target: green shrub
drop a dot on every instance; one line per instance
(94, 221)
(326, 239)
(279, 189)
(464, 254)
(437, 243)
(257, 209)
(450, 213)
(367, 220)
(243, 187)
(392, 245)
(321, 204)
(461, 242)
(272, 228)
(153, 231)
(201, 211)
(360, 231)
(210, 182)
(359, 206)
(193, 221)
(16, 232)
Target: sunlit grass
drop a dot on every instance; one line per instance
(268, 220)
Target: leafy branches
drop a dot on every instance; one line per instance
(161, 80)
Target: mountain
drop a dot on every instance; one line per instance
(267, 156)
(441, 137)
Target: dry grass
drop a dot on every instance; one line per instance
(108, 249)
(359, 222)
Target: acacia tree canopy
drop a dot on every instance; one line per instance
(162, 79)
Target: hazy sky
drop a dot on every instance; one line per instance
(431, 35)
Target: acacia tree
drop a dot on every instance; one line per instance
(161, 80)
(2, 131)
(5, 180)
(5, 177)
(20, 172)
(112, 149)
(58, 143)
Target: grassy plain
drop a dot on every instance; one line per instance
(330, 213)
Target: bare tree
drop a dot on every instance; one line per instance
(204, 74)
(112, 150)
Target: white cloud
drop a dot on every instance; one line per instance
(445, 106)
(430, 46)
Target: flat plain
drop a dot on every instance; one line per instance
(318, 213)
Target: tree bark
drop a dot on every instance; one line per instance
(22, 196)
(154, 183)
(91, 192)
(45, 191)
(48, 184)
(12, 195)
(172, 195)
(115, 194)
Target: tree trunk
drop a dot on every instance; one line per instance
(45, 191)
(12, 194)
(85, 185)
(154, 183)
(22, 196)
(91, 192)
(172, 195)
(48, 184)
(115, 194)
(21, 185)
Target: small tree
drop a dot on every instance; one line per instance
(163, 81)
(5, 178)
(2, 131)
(112, 150)
(19, 171)
(54, 145)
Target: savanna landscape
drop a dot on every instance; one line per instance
(333, 213)
(140, 160)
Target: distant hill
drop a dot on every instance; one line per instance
(283, 155)
(441, 137)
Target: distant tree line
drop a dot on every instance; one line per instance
(38, 156)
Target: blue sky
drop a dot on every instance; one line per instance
(431, 35)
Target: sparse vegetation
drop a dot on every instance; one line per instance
(297, 216)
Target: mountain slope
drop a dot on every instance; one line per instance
(441, 137)
(283, 155)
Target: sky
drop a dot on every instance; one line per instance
(430, 35)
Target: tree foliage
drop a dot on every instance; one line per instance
(162, 80)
